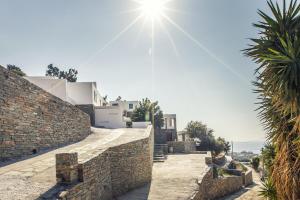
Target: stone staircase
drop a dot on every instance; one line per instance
(160, 152)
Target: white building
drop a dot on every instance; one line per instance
(86, 97)
(117, 115)
(127, 106)
(169, 122)
(77, 93)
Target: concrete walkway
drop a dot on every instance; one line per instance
(29, 179)
(249, 193)
(174, 179)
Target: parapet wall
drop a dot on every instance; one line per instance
(109, 173)
(213, 188)
(248, 178)
(32, 119)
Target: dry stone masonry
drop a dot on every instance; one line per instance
(31, 119)
(108, 173)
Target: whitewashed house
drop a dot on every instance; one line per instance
(117, 115)
(76, 93)
(86, 96)
(83, 95)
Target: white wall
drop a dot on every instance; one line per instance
(56, 87)
(140, 124)
(97, 98)
(109, 117)
(169, 121)
(125, 105)
(80, 93)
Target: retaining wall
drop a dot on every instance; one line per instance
(213, 188)
(32, 119)
(183, 146)
(112, 172)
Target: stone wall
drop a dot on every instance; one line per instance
(90, 110)
(248, 178)
(183, 146)
(31, 119)
(111, 173)
(213, 188)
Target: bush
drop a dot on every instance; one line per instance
(232, 165)
(255, 163)
(128, 124)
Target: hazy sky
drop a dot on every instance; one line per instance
(210, 84)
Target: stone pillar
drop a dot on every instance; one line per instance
(66, 168)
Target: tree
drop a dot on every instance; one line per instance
(105, 98)
(227, 147)
(147, 111)
(277, 52)
(119, 98)
(70, 75)
(17, 70)
(223, 145)
(52, 71)
(197, 129)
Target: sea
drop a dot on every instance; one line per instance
(253, 146)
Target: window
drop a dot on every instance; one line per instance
(130, 106)
(115, 104)
(95, 96)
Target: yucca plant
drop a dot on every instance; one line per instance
(268, 190)
(277, 52)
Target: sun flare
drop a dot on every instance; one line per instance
(152, 9)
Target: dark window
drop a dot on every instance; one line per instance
(130, 106)
(115, 104)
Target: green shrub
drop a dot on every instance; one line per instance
(268, 190)
(128, 124)
(255, 163)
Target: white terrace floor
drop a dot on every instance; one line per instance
(175, 179)
(28, 179)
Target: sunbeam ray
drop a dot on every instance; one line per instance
(211, 54)
(112, 40)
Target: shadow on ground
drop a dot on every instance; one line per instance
(239, 193)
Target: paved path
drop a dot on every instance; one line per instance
(28, 179)
(174, 179)
(249, 193)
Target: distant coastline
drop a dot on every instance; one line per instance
(253, 146)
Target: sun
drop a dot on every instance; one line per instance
(152, 9)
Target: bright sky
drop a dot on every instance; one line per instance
(207, 78)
